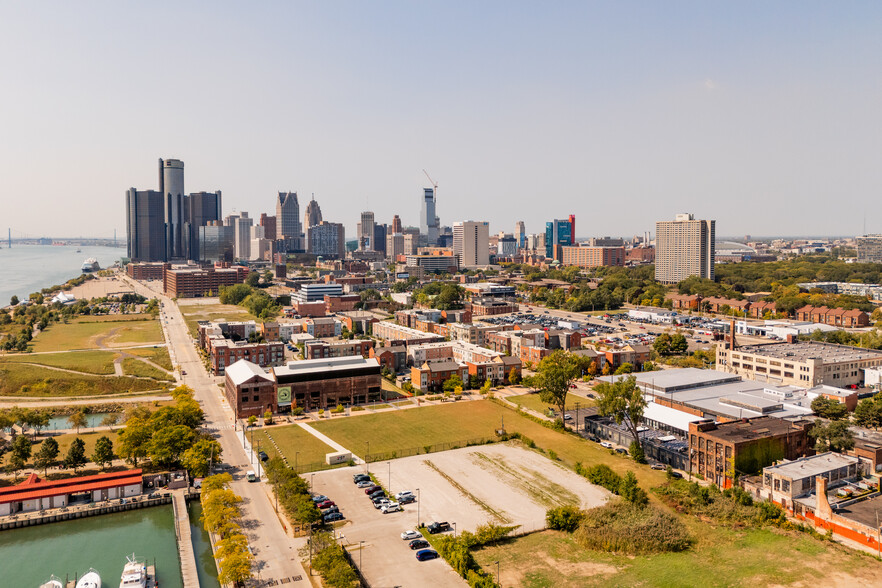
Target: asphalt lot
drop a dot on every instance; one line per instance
(503, 483)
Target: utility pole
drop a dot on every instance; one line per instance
(577, 415)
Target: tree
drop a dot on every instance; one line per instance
(452, 383)
(514, 377)
(679, 344)
(636, 451)
(169, 444)
(631, 492)
(836, 436)
(868, 413)
(662, 344)
(110, 419)
(77, 420)
(103, 453)
(14, 300)
(485, 388)
(20, 453)
(554, 376)
(252, 420)
(253, 279)
(76, 455)
(134, 440)
(625, 368)
(46, 456)
(623, 401)
(828, 408)
(197, 458)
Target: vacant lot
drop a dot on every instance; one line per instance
(90, 362)
(746, 557)
(158, 355)
(200, 310)
(27, 380)
(295, 443)
(83, 333)
(533, 401)
(136, 367)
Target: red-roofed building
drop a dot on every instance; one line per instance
(37, 494)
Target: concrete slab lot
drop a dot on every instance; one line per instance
(503, 483)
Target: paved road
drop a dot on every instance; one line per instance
(276, 555)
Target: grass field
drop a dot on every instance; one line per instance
(745, 557)
(158, 355)
(294, 442)
(90, 362)
(193, 313)
(134, 367)
(532, 401)
(64, 442)
(81, 333)
(27, 380)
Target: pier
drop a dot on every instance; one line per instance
(18, 521)
(185, 544)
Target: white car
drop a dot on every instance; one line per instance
(401, 495)
(606, 444)
(391, 507)
(410, 535)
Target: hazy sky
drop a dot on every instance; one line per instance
(764, 116)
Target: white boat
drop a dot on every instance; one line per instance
(91, 265)
(134, 574)
(54, 582)
(90, 579)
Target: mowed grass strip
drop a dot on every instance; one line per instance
(136, 367)
(294, 442)
(28, 380)
(90, 362)
(745, 557)
(158, 355)
(461, 421)
(82, 332)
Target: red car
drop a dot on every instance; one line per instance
(326, 504)
(371, 489)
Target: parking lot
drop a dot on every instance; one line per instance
(504, 484)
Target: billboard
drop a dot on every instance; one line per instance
(284, 396)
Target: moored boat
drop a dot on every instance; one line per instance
(134, 574)
(53, 582)
(90, 579)
(91, 265)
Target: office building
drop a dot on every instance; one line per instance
(869, 249)
(587, 257)
(311, 217)
(520, 234)
(288, 225)
(269, 226)
(327, 240)
(394, 245)
(217, 243)
(428, 221)
(507, 246)
(200, 208)
(171, 186)
(396, 224)
(365, 231)
(684, 247)
(241, 224)
(145, 225)
(379, 240)
(558, 233)
(471, 243)
(196, 282)
(325, 383)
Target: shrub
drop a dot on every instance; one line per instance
(631, 492)
(564, 518)
(636, 451)
(620, 527)
(338, 409)
(601, 475)
(552, 454)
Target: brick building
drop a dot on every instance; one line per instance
(223, 353)
(146, 270)
(320, 349)
(342, 303)
(431, 375)
(588, 257)
(325, 383)
(485, 306)
(324, 327)
(393, 358)
(249, 389)
(195, 282)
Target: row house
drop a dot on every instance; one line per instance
(431, 375)
(223, 352)
(391, 357)
(324, 327)
(319, 349)
(836, 317)
(715, 304)
(684, 301)
(759, 309)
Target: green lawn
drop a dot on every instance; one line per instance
(193, 313)
(82, 333)
(27, 380)
(64, 442)
(532, 401)
(720, 557)
(135, 367)
(158, 355)
(90, 362)
(295, 443)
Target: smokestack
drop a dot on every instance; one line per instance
(732, 335)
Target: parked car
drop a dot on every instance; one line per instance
(331, 509)
(411, 534)
(568, 417)
(403, 493)
(325, 504)
(657, 466)
(331, 517)
(621, 450)
(360, 477)
(437, 527)
(371, 489)
(418, 544)
(377, 494)
(426, 554)
(606, 444)
(407, 499)
(381, 502)
(364, 484)
(391, 507)
(677, 475)
(319, 498)
(262, 455)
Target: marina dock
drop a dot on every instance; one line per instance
(151, 579)
(185, 544)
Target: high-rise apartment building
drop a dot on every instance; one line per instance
(869, 249)
(241, 224)
(269, 226)
(288, 220)
(520, 234)
(145, 225)
(396, 224)
(328, 240)
(429, 222)
(558, 233)
(200, 208)
(394, 245)
(471, 243)
(366, 231)
(684, 247)
(171, 186)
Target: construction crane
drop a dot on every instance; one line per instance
(431, 181)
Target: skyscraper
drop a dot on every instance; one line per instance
(396, 224)
(171, 186)
(471, 243)
(288, 220)
(241, 224)
(328, 240)
(311, 217)
(428, 220)
(200, 208)
(145, 225)
(558, 233)
(366, 231)
(684, 247)
(378, 243)
(520, 234)
(269, 226)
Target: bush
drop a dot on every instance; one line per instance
(338, 409)
(564, 518)
(631, 492)
(601, 475)
(552, 454)
(623, 528)
(636, 451)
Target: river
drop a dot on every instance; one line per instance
(30, 268)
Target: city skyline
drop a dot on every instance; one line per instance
(519, 112)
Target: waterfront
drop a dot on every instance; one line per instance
(205, 566)
(102, 542)
(30, 268)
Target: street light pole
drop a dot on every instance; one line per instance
(418, 508)
(367, 465)
(389, 487)
(454, 530)
(251, 453)
(258, 460)
(360, 549)
(497, 572)
(296, 455)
